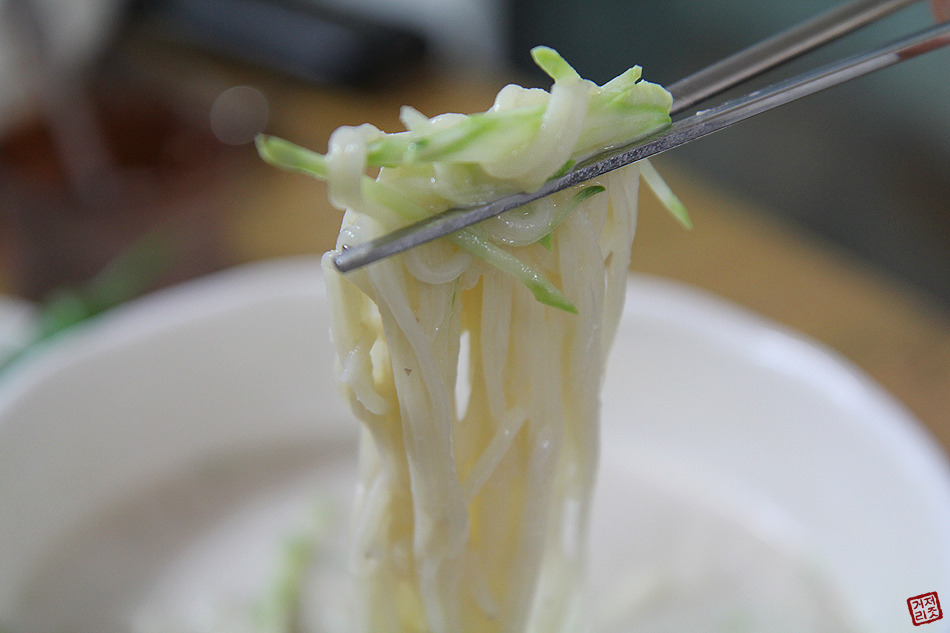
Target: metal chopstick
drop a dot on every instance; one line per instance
(682, 131)
(778, 49)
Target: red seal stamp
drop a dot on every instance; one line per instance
(924, 608)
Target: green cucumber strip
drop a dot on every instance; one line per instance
(542, 289)
(663, 192)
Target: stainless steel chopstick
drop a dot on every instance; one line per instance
(682, 131)
(778, 49)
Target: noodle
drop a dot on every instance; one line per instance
(480, 521)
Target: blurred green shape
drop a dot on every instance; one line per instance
(127, 276)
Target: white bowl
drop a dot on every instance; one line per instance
(152, 461)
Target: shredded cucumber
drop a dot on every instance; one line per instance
(527, 137)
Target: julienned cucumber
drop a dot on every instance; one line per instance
(486, 151)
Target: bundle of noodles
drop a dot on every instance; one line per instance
(476, 474)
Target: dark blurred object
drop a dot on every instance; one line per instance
(161, 171)
(296, 38)
(866, 166)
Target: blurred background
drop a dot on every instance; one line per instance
(125, 125)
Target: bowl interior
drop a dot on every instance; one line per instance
(153, 464)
